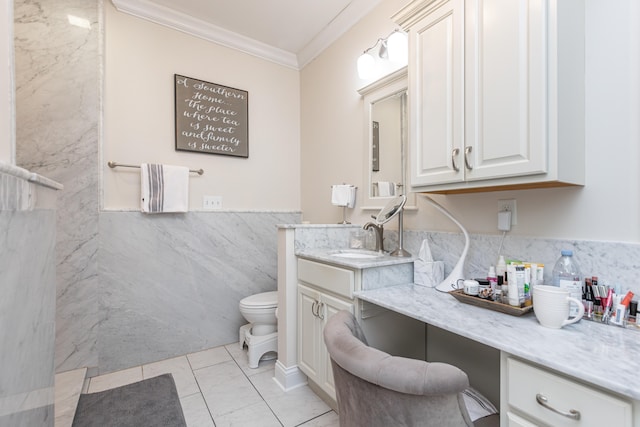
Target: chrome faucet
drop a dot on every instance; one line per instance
(379, 229)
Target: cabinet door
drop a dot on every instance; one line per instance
(505, 88)
(330, 306)
(555, 400)
(436, 79)
(309, 333)
(514, 420)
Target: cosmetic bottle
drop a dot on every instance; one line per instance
(527, 286)
(516, 285)
(588, 301)
(501, 267)
(493, 279)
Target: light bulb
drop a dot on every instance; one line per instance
(366, 64)
(397, 47)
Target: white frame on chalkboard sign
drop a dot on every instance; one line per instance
(211, 118)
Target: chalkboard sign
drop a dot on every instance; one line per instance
(211, 118)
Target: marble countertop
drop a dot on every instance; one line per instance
(606, 356)
(324, 255)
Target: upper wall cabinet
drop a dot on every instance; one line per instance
(496, 94)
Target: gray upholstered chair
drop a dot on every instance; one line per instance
(374, 388)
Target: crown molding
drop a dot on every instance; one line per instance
(414, 12)
(347, 18)
(187, 24)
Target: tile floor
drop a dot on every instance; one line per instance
(216, 388)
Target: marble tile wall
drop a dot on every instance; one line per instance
(27, 305)
(170, 284)
(613, 262)
(57, 134)
(323, 236)
(164, 297)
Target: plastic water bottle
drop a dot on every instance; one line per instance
(566, 275)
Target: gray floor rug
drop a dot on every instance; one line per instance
(153, 402)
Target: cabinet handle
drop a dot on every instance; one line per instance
(454, 154)
(321, 307)
(314, 307)
(467, 150)
(543, 401)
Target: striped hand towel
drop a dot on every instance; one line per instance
(164, 188)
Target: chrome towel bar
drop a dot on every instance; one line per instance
(122, 165)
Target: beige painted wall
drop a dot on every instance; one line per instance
(332, 119)
(141, 59)
(607, 208)
(7, 129)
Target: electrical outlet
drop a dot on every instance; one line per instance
(211, 203)
(509, 205)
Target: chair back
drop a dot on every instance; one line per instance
(374, 388)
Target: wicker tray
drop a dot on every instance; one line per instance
(491, 305)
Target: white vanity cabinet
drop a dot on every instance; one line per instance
(323, 290)
(534, 396)
(496, 94)
(314, 309)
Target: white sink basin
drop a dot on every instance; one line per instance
(356, 254)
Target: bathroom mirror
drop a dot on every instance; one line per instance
(385, 130)
(393, 208)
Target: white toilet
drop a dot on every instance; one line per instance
(261, 333)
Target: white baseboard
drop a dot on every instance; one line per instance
(289, 378)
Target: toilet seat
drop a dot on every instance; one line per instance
(264, 300)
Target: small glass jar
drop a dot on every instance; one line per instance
(358, 239)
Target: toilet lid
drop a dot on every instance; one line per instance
(265, 299)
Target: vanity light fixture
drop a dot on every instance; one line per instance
(366, 66)
(398, 47)
(391, 49)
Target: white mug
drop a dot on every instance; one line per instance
(551, 306)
